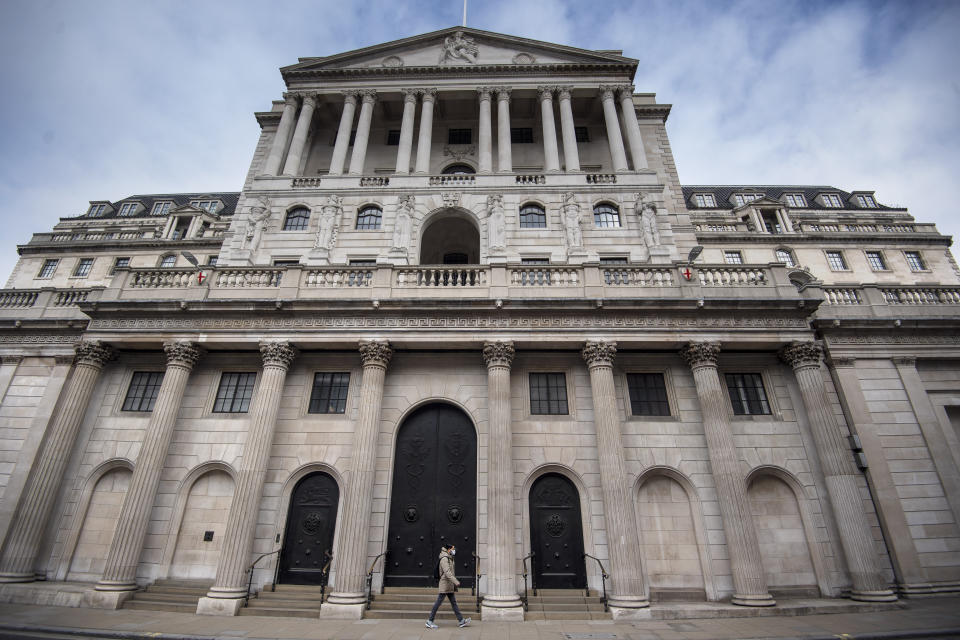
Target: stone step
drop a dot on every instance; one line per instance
(419, 606)
(257, 603)
(560, 615)
(571, 600)
(413, 597)
(294, 588)
(156, 605)
(152, 596)
(154, 588)
(279, 612)
(534, 606)
(288, 595)
(427, 590)
(183, 583)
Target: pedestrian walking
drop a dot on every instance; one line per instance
(448, 585)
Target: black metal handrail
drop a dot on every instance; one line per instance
(475, 589)
(526, 606)
(604, 575)
(273, 587)
(325, 575)
(370, 577)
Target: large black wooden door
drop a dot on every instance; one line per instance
(434, 496)
(556, 534)
(309, 534)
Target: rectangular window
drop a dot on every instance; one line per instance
(459, 136)
(180, 230)
(866, 201)
(143, 390)
(534, 260)
(795, 200)
(836, 261)
(648, 394)
(548, 394)
(128, 208)
(212, 260)
(785, 257)
(771, 222)
(161, 208)
(747, 394)
(329, 393)
(234, 393)
(48, 268)
(831, 200)
(286, 263)
(614, 260)
(743, 198)
(393, 138)
(83, 267)
(914, 261)
(119, 263)
(704, 200)
(875, 260)
(582, 134)
(206, 205)
(521, 135)
(97, 210)
(733, 257)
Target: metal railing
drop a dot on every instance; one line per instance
(324, 575)
(475, 589)
(531, 555)
(604, 575)
(370, 578)
(273, 587)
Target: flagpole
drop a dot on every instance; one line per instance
(464, 12)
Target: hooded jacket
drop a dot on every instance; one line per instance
(448, 578)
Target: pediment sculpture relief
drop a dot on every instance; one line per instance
(459, 48)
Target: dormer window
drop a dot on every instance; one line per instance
(704, 200)
(206, 205)
(97, 210)
(866, 201)
(741, 199)
(831, 200)
(128, 208)
(161, 208)
(795, 200)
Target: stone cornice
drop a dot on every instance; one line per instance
(460, 70)
(811, 237)
(498, 353)
(98, 246)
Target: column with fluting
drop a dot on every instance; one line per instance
(571, 157)
(840, 475)
(342, 142)
(120, 572)
(406, 130)
(628, 592)
(749, 580)
(634, 138)
(230, 587)
(551, 158)
(272, 166)
(425, 139)
(43, 482)
(504, 140)
(617, 154)
(501, 600)
(291, 166)
(485, 131)
(348, 598)
(359, 156)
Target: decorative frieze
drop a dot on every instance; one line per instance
(498, 354)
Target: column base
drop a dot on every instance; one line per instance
(207, 606)
(760, 600)
(621, 609)
(503, 608)
(883, 595)
(97, 599)
(334, 611)
(17, 577)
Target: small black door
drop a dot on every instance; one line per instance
(556, 534)
(310, 523)
(434, 496)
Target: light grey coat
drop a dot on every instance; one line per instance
(448, 578)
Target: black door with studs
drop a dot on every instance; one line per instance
(434, 497)
(309, 534)
(556, 534)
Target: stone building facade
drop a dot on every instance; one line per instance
(462, 296)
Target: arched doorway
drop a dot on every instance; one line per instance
(450, 237)
(556, 534)
(434, 496)
(310, 526)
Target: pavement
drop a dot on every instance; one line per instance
(922, 618)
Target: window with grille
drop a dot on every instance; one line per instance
(866, 201)
(743, 198)
(521, 135)
(875, 260)
(128, 208)
(168, 261)
(533, 216)
(831, 200)
(161, 208)
(648, 394)
(785, 257)
(206, 205)
(733, 257)
(369, 218)
(458, 170)
(606, 215)
(914, 261)
(704, 200)
(329, 393)
(795, 200)
(235, 392)
(836, 261)
(286, 263)
(48, 268)
(548, 394)
(459, 136)
(393, 138)
(119, 263)
(771, 222)
(297, 220)
(212, 260)
(97, 210)
(747, 394)
(143, 390)
(83, 267)
(612, 275)
(582, 134)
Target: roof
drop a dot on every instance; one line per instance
(722, 194)
(229, 200)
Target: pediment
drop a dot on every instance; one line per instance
(458, 48)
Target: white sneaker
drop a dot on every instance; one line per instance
(464, 622)
(430, 625)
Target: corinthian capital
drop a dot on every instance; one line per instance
(93, 353)
(546, 92)
(563, 92)
(351, 96)
(599, 353)
(498, 354)
(503, 93)
(290, 99)
(625, 90)
(483, 93)
(608, 91)
(375, 353)
(802, 354)
(277, 354)
(369, 95)
(429, 95)
(701, 354)
(182, 353)
(410, 95)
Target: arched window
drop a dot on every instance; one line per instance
(785, 257)
(168, 261)
(606, 215)
(297, 219)
(532, 216)
(369, 218)
(458, 170)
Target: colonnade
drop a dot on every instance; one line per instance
(290, 140)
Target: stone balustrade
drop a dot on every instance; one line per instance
(527, 179)
(18, 299)
(453, 180)
(335, 278)
(841, 295)
(46, 303)
(247, 277)
(627, 276)
(921, 295)
(161, 278)
(442, 276)
(546, 276)
(728, 276)
(601, 178)
(305, 183)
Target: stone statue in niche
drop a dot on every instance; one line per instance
(256, 221)
(571, 220)
(648, 222)
(459, 47)
(402, 228)
(330, 216)
(496, 223)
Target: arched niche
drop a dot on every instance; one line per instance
(450, 236)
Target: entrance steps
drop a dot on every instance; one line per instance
(565, 604)
(288, 601)
(180, 596)
(414, 603)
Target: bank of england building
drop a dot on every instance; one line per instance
(463, 297)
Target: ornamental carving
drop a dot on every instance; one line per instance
(608, 91)
(625, 90)
(182, 353)
(411, 513)
(524, 58)
(802, 354)
(312, 522)
(496, 224)
(11, 360)
(701, 354)
(483, 93)
(369, 95)
(459, 48)
(555, 525)
(503, 93)
(649, 227)
(459, 152)
(563, 92)
(599, 353)
(277, 354)
(375, 353)
(546, 92)
(393, 61)
(905, 361)
(428, 95)
(93, 353)
(451, 198)
(330, 217)
(351, 96)
(498, 354)
(455, 514)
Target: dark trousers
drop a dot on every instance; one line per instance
(453, 603)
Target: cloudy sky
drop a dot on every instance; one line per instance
(105, 99)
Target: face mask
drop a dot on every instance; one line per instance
(453, 552)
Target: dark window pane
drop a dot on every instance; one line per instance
(459, 136)
(297, 220)
(605, 215)
(747, 394)
(548, 394)
(369, 218)
(533, 217)
(329, 393)
(393, 137)
(234, 393)
(522, 135)
(143, 390)
(582, 133)
(648, 394)
(49, 267)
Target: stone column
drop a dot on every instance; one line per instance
(120, 573)
(628, 592)
(749, 581)
(343, 132)
(485, 131)
(501, 602)
(292, 165)
(551, 159)
(228, 591)
(359, 156)
(633, 128)
(571, 157)
(406, 131)
(617, 154)
(425, 139)
(840, 475)
(43, 482)
(504, 141)
(348, 598)
(272, 166)
(786, 224)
